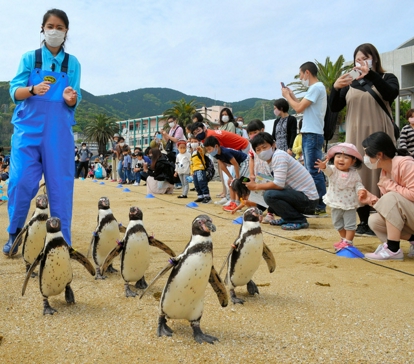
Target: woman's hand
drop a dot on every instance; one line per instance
(70, 96)
(342, 81)
(363, 69)
(41, 88)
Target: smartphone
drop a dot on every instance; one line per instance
(283, 85)
(354, 74)
(245, 179)
(159, 136)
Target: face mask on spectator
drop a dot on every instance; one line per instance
(194, 145)
(225, 118)
(121, 144)
(171, 124)
(201, 136)
(276, 112)
(369, 164)
(265, 155)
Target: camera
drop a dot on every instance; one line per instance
(354, 74)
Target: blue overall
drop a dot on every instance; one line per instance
(42, 143)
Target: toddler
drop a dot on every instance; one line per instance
(182, 166)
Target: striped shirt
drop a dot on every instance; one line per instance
(407, 139)
(287, 173)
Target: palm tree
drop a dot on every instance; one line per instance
(101, 129)
(182, 110)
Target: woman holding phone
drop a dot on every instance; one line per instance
(364, 114)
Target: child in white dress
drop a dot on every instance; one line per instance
(344, 186)
(182, 166)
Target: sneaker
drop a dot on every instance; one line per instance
(295, 226)
(177, 187)
(227, 203)
(136, 184)
(277, 222)
(207, 200)
(230, 207)
(342, 244)
(222, 201)
(181, 196)
(268, 218)
(364, 230)
(199, 199)
(411, 251)
(383, 253)
(113, 180)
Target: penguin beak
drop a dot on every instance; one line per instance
(209, 226)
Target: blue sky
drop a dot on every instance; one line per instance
(226, 50)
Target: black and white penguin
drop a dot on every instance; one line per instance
(135, 249)
(183, 295)
(247, 251)
(55, 273)
(105, 237)
(33, 234)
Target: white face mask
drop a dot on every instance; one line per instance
(194, 145)
(121, 144)
(265, 155)
(225, 118)
(305, 83)
(368, 63)
(171, 124)
(189, 135)
(54, 37)
(240, 124)
(276, 112)
(83, 147)
(369, 164)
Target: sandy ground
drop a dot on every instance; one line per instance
(316, 306)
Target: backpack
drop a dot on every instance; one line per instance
(98, 172)
(208, 167)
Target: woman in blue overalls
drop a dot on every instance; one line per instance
(46, 90)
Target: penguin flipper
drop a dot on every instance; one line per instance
(160, 245)
(269, 258)
(74, 254)
(159, 275)
(111, 256)
(88, 254)
(19, 239)
(30, 271)
(218, 287)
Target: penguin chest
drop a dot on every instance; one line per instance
(34, 242)
(56, 273)
(183, 295)
(136, 257)
(108, 237)
(243, 264)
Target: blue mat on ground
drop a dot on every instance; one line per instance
(192, 204)
(149, 196)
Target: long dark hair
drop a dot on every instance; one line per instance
(230, 115)
(369, 50)
(156, 154)
(382, 142)
(59, 14)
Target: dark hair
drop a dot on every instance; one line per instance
(282, 105)
(172, 117)
(229, 113)
(311, 67)
(260, 139)
(156, 154)
(300, 124)
(139, 149)
(59, 14)
(140, 154)
(83, 143)
(125, 148)
(240, 188)
(197, 116)
(369, 50)
(147, 150)
(195, 126)
(409, 113)
(121, 138)
(255, 125)
(382, 142)
(211, 141)
(357, 164)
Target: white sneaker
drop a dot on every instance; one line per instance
(411, 251)
(222, 201)
(136, 184)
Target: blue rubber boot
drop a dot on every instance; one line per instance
(9, 244)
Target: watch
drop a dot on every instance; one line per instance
(31, 90)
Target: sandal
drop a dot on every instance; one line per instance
(220, 195)
(295, 226)
(277, 222)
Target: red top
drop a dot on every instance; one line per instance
(228, 139)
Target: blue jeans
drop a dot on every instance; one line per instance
(290, 205)
(127, 175)
(312, 145)
(201, 184)
(120, 171)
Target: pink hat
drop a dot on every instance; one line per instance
(345, 148)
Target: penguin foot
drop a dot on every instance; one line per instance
(141, 284)
(98, 274)
(69, 296)
(111, 269)
(199, 336)
(234, 298)
(252, 288)
(163, 329)
(129, 292)
(47, 310)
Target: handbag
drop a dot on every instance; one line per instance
(382, 105)
(170, 143)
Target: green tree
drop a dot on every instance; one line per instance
(101, 129)
(182, 110)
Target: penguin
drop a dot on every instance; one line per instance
(245, 255)
(135, 249)
(105, 236)
(55, 272)
(33, 233)
(183, 294)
